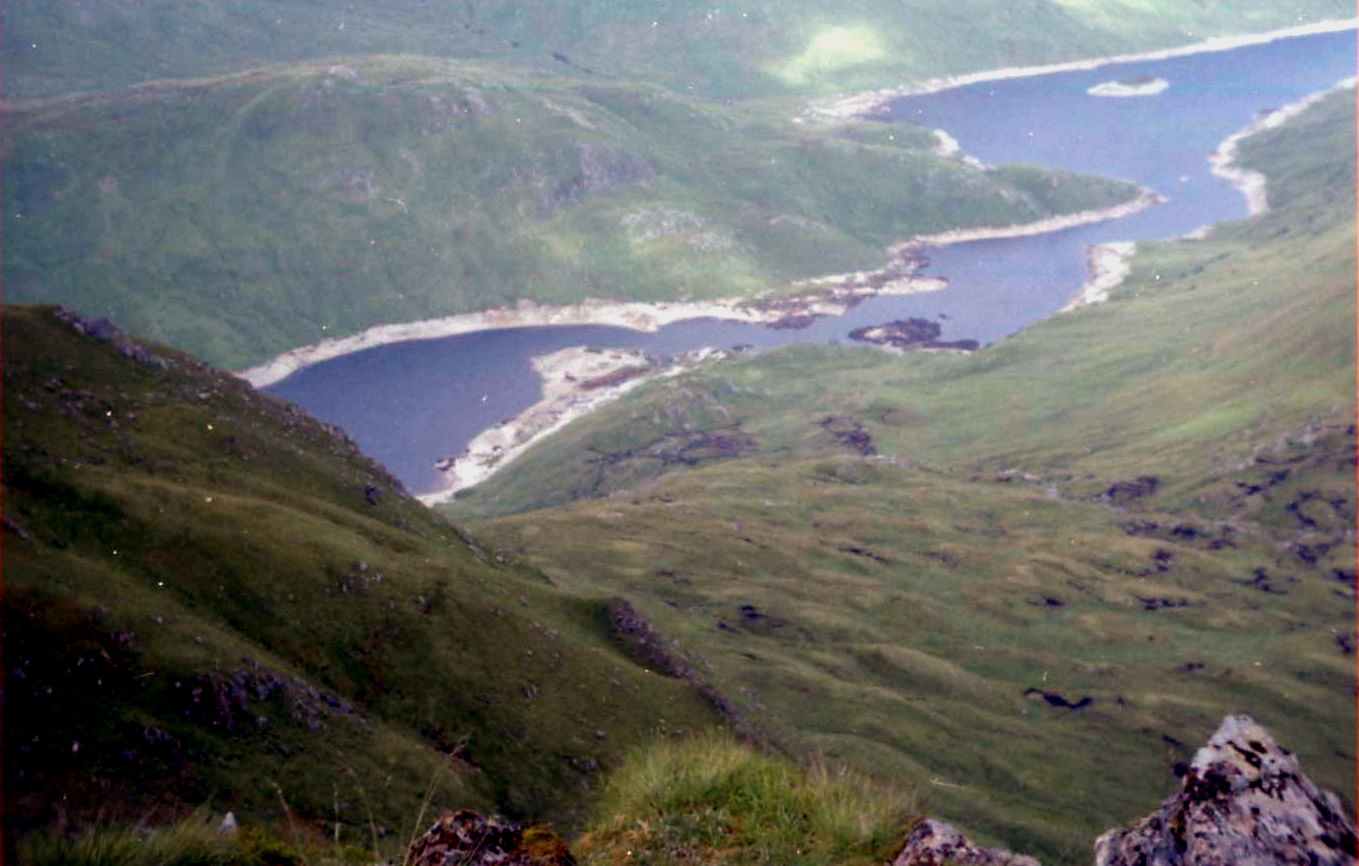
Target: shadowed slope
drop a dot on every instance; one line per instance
(212, 597)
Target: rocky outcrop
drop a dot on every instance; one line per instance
(468, 839)
(1243, 802)
(640, 640)
(910, 334)
(934, 843)
(105, 331)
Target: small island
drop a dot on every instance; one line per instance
(1139, 85)
(910, 334)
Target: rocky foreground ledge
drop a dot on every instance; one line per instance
(1244, 801)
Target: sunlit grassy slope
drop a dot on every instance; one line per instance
(926, 565)
(740, 47)
(240, 217)
(710, 800)
(211, 599)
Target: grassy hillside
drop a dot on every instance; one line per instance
(212, 599)
(240, 217)
(710, 800)
(741, 47)
(1034, 577)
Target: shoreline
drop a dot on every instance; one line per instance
(1108, 265)
(576, 381)
(874, 103)
(832, 295)
(565, 400)
(1254, 185)
(1145, 199)
(637, 315)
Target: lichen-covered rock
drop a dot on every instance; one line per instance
(1244, 802)
(934, 843)
(465, 838)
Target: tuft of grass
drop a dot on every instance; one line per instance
(714, 800)
(191, 842)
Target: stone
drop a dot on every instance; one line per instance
(1243, 801)
(934, 843)
(228, 827)
(468, 839)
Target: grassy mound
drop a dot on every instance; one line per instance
(712, 800)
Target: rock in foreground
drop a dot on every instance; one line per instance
(934, 843)
(1243, 802)
(468, 839)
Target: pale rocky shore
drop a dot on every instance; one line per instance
(1145, 199)
(1108, 265)
(576, 381)
(526, 314)
(1253, 184)
(828, 296)
(875, 103)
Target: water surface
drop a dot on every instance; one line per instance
(408, 404)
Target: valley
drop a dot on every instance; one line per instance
(893, 537)
(774, 603)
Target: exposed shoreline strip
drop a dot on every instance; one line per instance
(1110, 263)
(1107, 266)
(576, 381)
(624, 314)
(1253, 184)
(642, 316)
(874, 102)
(1145, 199)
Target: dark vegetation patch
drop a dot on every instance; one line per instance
(1053, 699)
(850, 433)
(856, 550)
(1123, 492)
(686, 448)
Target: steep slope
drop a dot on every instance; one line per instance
(243, 216)
(742, 47)
(212, 598)
(1029, 579)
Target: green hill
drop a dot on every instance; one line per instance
(737, 48)
(212, 599)
(1034, 577)
(244, 216)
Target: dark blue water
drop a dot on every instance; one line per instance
(408, 404)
